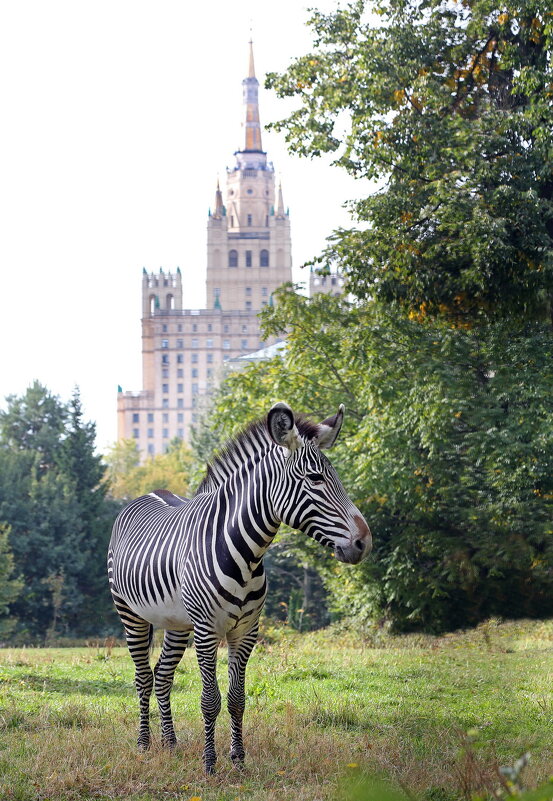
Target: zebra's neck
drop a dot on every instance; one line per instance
(247, 521)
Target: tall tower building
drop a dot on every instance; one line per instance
(248, 257)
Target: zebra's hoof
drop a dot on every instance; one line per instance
(237, 760)
(170, 743)
(209, 768)
(143, 745)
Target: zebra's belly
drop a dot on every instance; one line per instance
(169, 614)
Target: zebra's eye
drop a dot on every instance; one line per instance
(315, 478)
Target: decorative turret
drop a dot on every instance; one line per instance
(161, 292)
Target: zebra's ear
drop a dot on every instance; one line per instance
(282, 427)
(330, 428)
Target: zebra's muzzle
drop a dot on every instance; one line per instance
(358, 547)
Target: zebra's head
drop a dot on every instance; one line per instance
(311, 497)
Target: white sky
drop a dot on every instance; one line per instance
(117, 117)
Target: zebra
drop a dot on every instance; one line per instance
(196, 565)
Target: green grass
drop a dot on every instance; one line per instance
(320, 708)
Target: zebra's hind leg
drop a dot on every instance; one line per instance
(239, 651)
(174, 645)
(139, 633)
(206, 651)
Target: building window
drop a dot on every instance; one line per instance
(264, 291)
(226, 329)
(194, 372)
(136, 418)
(248, 291)
(180, 417)
(150, 432)
(209, 343)
(210, 372)
(194, 358)
(165, 418)
(248, 258)
(180, 433)
(165, 358)
(194, 418)
(194, 327)
(150, 417)
(244, 329)
(179, 327)
(264, 258)
(180, 343)
(226, 344)
(165, 403)
(135, 433)
(195, 389)
(233, 258)
(165, 372)
(164, 329)
(180, 373)
(249, 219)
(180, 403)
(209, 327)
(231, 224)
(248, 305)
(180, 358)
(244, 344)
(209, 358)
(263, 302)
(180, 388)
(194, 343)
(165, 433)
(151, 449)
(165, 388)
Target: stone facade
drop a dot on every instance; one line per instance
(248, 257)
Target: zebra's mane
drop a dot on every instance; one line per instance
(254, 438)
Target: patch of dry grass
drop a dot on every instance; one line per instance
(319, 707)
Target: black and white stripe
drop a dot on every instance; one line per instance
(197, 564)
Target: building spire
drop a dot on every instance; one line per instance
(218, 201)
(251, 70)
(280, 203)
(250, 91)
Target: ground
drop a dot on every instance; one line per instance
(437, 716)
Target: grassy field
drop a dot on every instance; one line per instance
(323, 709)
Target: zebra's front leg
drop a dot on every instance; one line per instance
(174, 645)
(139, 633)
(206, 651)
(239, 651)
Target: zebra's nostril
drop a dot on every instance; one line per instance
(359, 545)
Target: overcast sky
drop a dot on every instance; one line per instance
(118, 115)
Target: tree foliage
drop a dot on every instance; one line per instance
(128, 478)
(449, 107)
(447, 449)
(10, 587)
(53, 498)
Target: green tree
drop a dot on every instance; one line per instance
(34, 422)
(447, 448)
(10, 587)
(129, 479)
(52, 497)
(449, 108)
